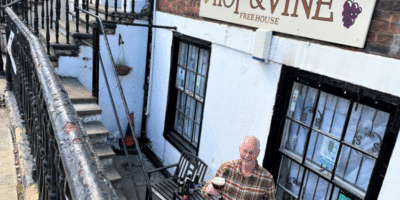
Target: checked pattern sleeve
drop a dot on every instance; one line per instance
(260, 185)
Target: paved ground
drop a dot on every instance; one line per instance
(8, 175)
(127, 187)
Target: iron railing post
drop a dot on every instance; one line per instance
(124, 6)
(106, 7)
(8, 62)
(58, 7)
(76, 2)
(97, 7)
(67, 20)
(1, 59)
(87, 16)
(42, 14)
(47, 28)
(96, 51)
(36, 18)
(51, 14)
(25, 13)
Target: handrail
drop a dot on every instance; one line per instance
(9, 4)
(64, 153)
(125, 106)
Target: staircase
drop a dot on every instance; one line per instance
(84, 103)
(90, 114)
(70, 38)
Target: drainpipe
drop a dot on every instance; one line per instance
(143, 138)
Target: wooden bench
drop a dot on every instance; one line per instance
(188, 164)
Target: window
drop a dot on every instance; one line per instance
(187, 89)
(329, 139)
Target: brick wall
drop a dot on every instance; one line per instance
(384, 32)
(187, 8)
(383, 36)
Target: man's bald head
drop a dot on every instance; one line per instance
(249, 149)
(252, 140)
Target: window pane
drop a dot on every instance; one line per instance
(322, 151)
(204, 58)
(199, 110)
(196, 134)
(336, 194)
(282, 195)
(331, 114)
(190, 80)
(188, 128)
(355, 167)
(179, 121)
(315, 188)
(190, 104)
(180, 78)
(302, 103)
(182, 57)
(193, 56)
(295, 136)
(366, 128)
(200, 86)
(180, 105)
(279, 193)
(290, 175)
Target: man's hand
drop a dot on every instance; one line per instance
(211, 191)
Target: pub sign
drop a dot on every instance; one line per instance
(338, 21)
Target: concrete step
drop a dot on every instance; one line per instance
(113, 176)
(76, 91)
(105, 154)
(87, 109)
(97, 132)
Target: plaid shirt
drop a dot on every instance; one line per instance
(259, 186)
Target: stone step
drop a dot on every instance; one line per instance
(87, 109)
(76, 91)
(113, 176)
(62, 39)
(105, 154)
(120, 194)
(72, 27)
(60, 49)
(97, 132)
(109, 28)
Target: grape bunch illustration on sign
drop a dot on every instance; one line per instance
(350, 12)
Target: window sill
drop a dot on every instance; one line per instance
(179, 143)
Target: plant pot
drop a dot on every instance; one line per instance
(122, 70)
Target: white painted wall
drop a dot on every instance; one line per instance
(120, 3)
(241, 91)
(135, 39)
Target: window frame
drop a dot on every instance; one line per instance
(355, 93)
(172, 136)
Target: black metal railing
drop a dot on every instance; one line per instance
(66, 167)
(53, 15)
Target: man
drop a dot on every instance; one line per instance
(244, 178)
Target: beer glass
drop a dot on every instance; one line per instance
(218, 183)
